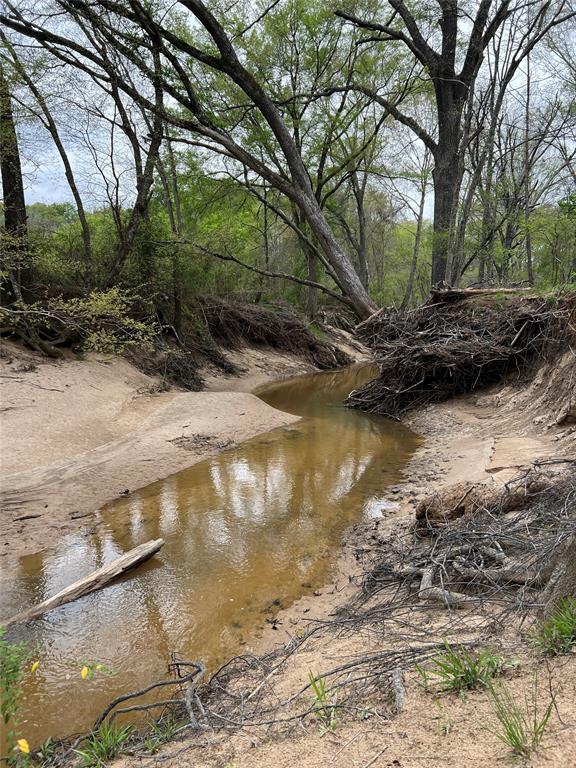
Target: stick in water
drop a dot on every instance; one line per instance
(90, 583)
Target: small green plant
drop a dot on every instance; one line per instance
(46, 751)
(160, 732)
(103, 745)
(557, 634)
(445, 723)
(519, 727)
(324, 708)
(458, 669)
(13, 657)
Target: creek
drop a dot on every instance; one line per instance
(247, 532)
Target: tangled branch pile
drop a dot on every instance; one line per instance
(234, 324)
(457, 342)
(502, 551)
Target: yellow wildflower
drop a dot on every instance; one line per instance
(34, 666)
(23, 746)
(84, 672)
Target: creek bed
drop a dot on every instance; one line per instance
(247, 532)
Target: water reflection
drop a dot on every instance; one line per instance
(251, 528)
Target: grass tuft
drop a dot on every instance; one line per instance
(324, 707)
(557, 634)
(458, 669)
(160, 732)
(519, 727)
(103, 745)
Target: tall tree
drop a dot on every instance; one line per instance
(15, 245)
(452, 67)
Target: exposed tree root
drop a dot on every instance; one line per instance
(233, 324)
(456, 343)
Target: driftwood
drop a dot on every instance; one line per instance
(428, 592)
(90, 583)
(397, 680)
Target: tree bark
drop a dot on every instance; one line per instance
(359, 191)
(15, 219)
(450, 100)
(527, 238)
(346, 275)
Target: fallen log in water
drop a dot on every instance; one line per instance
(90, 583)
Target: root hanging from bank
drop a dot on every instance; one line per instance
(456, 343)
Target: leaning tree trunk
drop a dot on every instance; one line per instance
(347, 277)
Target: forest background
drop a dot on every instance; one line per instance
(315, 154)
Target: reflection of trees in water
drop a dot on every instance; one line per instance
(242, 504)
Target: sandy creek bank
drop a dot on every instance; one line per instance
(482, 438)
(485, 437)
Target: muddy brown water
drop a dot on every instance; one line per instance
(247, 532)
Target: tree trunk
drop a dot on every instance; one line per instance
(346, 276)
(359, 190)
(445, 176)
(312, 297)
(416, 251)
(178, 227)
(13, 186)
(450, 99)
(528, 239)
(488, 224)
(509, 235)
